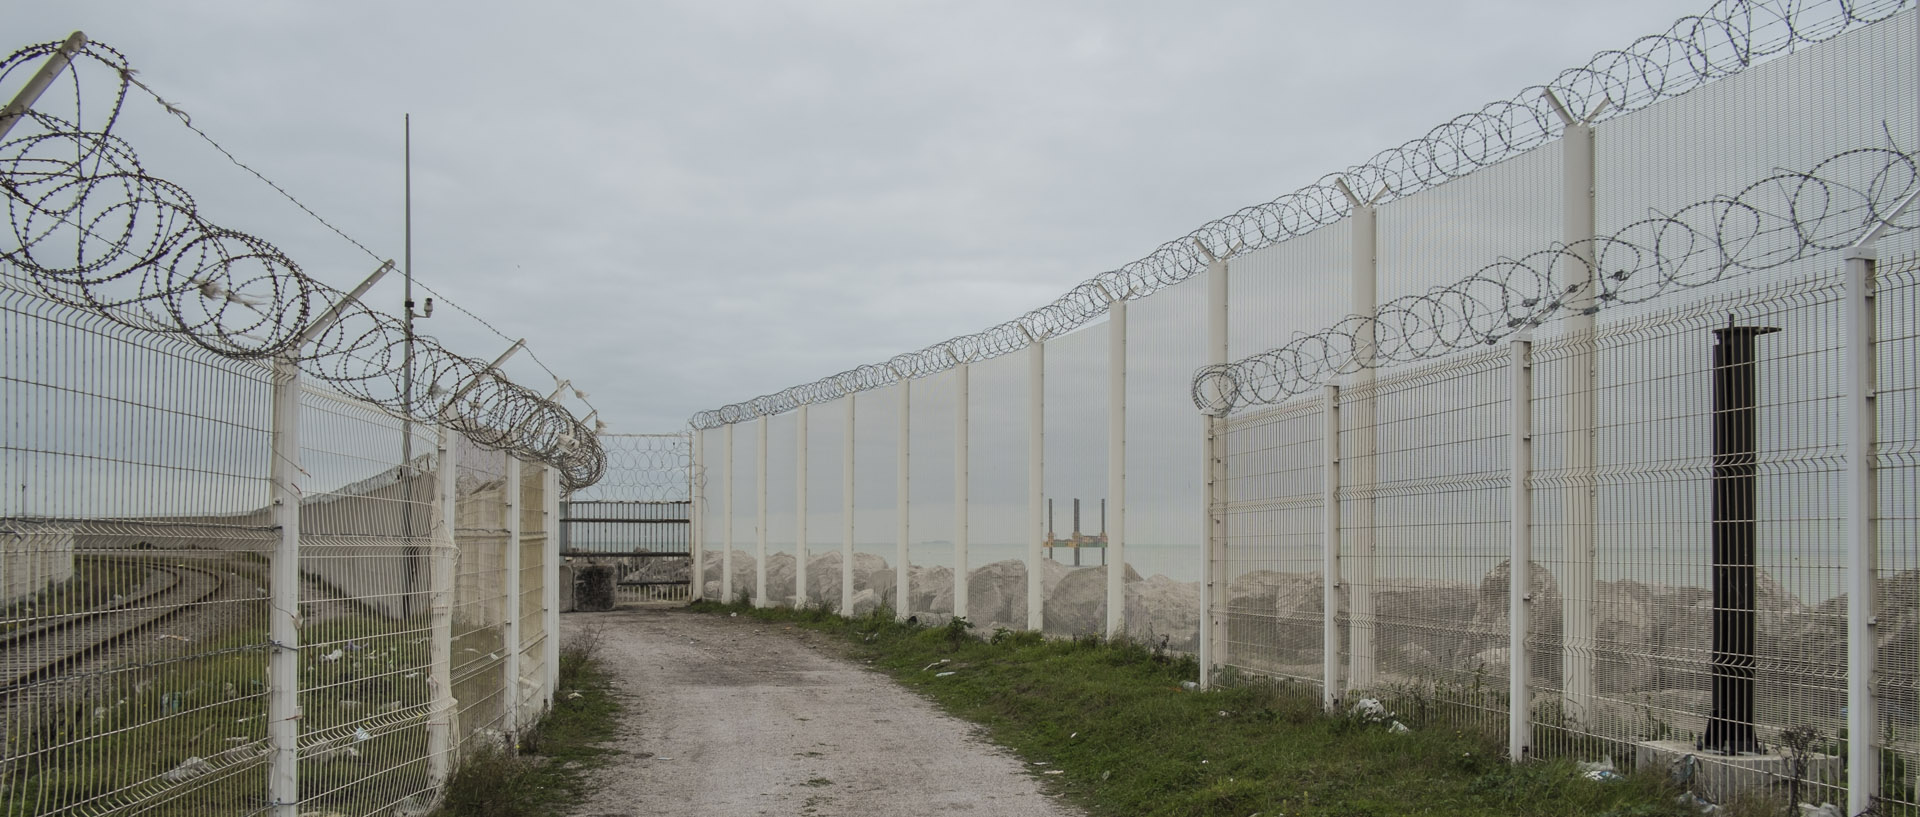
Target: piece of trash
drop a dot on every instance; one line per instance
(943, 674)
(1203, 762)
(663, 758)
(733, 615)
(1190, 686)
(171, 637)
(1599, 770)
(1822, 810)
(332, 656)
(361, 735)
(1039, 763)
(1106, 774)
(1398, 728)
(352, 752)
(187, 770)
(935, 664)
(411, 675)
(1697, 803)
(239, 739)
(573, 695)
(99, 713)
(1371, 710)
(1223, 713)
(1072, 736)
(1053, 771)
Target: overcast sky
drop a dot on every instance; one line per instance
(682, 205)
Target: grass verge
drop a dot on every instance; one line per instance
(1112, 728)
(548, 772)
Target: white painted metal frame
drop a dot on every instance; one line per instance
(846, 513)
(961, 472)
(904, 502)
(1520, 555)
(1116, 552)
(1863, 726)
(697, 485)
(760, 519)
(800, 508)
(1036, 481)
(550, 584)
(510, 630)
(1213, 530)
(1330, 567)
(726, 518)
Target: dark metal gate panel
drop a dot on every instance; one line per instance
(649, 545)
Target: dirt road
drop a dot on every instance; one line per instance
(728, 716)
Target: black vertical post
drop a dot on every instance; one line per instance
(1730, 724)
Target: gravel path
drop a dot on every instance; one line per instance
(729, 716)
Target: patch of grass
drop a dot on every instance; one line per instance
(549, 771)
(1131, 740)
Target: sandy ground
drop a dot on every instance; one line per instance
(728, 716)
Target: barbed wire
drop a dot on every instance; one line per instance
(643, 468)
(131, 77)
(1778, 220)
(1730, 37)
(93, 230)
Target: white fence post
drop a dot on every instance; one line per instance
(800, 508)
(760, 518)
(1357, 471)
(440, 581)
(510, 627)
(1863, 723)
(1036, 480)
(283, 663)
(846, 514)
(960, 490)
(726, 521)
(1330, 552)
(1213, 529)
(1520, 556)
(41, 80)
(1577, 394)
(1116, 550)
(697, 537)
(903, 525)
(550, 587)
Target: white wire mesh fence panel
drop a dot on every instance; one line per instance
(1423, 539)
(1165, 499)
(366, 549)
(782, 450)
(1897, 471)
(1275, 598)
(479, 598)
(876, 506)
(997, 530)
(1666, 541)
(532, 564)
(826, 494)
(1073, 574)
(135, 536)
(930, 534)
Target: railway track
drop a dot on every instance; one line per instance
(36, 654)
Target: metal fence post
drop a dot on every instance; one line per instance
(440, 578)
(1863, 751)
(760, 523)
(960, 490)
(697, 538)
(1036, 481)
(510, 626)
(903, 525)
(283, 663)
(49, 71)
(800, 507)
(1213, 530)
(846, 513)
(550, 587)
(1577, 395)
(1330, 552)
(726, 522)
(1116, 554)
(1520, 555)
(1357, 471)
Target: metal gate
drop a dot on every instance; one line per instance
(648, 545)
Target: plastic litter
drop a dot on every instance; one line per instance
(1053, 771)
(935, 664)
(1398, 728)
(1190, 686)
(1371, 710)
(1822, 810)
(1599, 770)
(943, 674)
(333, 656)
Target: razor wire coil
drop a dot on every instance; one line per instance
(92, 229)
(1730, 37)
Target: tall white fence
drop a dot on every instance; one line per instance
(265, 550)
(1524, 375)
